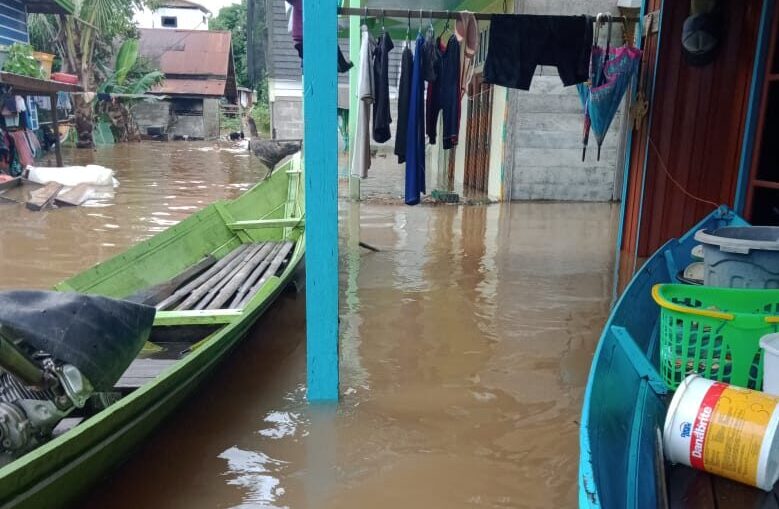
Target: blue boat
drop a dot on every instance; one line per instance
(625, 403)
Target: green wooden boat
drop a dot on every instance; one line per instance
(62, 469)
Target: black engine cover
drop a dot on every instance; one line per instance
(97, 335)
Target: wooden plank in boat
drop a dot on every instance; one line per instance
(142, 371)
(693, 489)
(153, 295)
(291, 222)
(43, 197)
(197, 317)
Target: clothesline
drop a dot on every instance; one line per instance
(428, 14)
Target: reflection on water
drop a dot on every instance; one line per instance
(465, 346)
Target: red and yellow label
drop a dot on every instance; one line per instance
(728, 432)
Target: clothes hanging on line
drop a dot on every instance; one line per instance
(444, 95)
(467, 32)
(415, 133)
(519, 43)
(381, 101)
(430, 57)
(404, 98)
(361, 157)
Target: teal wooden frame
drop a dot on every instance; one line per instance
(320, 150)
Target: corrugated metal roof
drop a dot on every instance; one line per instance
(195, 62)
(180, 53)
(212, 87)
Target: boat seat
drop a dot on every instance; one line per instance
(142, 371)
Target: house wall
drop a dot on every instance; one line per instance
(187, 19)
(545, 129)
(197, 125)
(694, 134)
(151, 114)
(211, 119)
(13, 22)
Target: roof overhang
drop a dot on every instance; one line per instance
(50, 6)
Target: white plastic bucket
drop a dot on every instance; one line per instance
(770, 345)
(725, 430)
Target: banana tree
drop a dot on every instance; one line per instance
(81, 39)
(128, 78)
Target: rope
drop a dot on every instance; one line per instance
(677, 184)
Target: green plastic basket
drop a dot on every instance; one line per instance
(714, 332)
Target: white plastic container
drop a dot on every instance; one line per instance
(725, 430)
(770, 345)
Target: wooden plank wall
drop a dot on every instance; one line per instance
(698, 118)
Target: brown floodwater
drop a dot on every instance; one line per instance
(465, 347)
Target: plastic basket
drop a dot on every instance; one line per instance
(714, 332)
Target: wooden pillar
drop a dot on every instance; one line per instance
(320, 152)
(355, 39)
(56, 128)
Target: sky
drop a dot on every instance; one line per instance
(215, 5)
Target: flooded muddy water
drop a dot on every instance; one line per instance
(465, 347)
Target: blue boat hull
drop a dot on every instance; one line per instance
(626, 400)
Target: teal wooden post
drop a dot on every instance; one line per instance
(320, 151)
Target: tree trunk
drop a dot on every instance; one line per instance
(84, 122)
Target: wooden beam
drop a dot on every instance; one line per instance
(24, 85)
(320, 102)
(257, 224)
(201, 317)
(56, 128)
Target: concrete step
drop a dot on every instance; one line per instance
(538, 103)
(572, 157)
(536, 138)
(583, 183)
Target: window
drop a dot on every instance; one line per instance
(169, 21)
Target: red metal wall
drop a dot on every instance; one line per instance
(698, 116)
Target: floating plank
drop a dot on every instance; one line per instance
(9, 184)
(192, 317)
(267, 223)
(181, 293)
(44, 197)
(76, 195)
(154, 294)
(142, 371)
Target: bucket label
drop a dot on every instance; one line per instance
(728, 431)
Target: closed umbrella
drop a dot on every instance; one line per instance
(597, 56)
(618, 71)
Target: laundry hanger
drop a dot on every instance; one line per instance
(408, 25)
(383, 30)
(365, 18)
(446, 26)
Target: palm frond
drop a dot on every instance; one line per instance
(146, 82)
(125, 60)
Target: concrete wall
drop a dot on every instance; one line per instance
(187, 19)
(160, 114)
(211, 118)
(151, 114)
(287, 118)
(543, 159)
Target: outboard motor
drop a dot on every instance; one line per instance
(56, 351)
